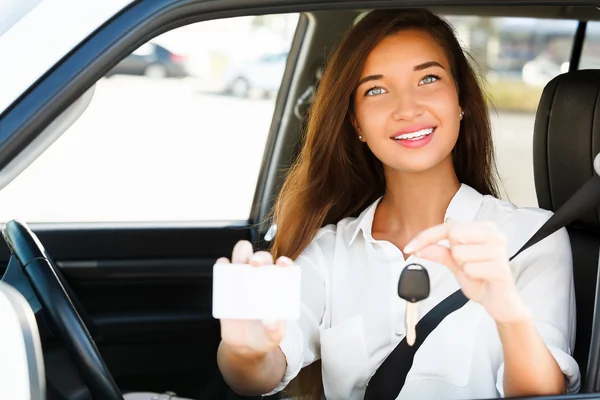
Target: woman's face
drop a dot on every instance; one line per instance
(406, 104)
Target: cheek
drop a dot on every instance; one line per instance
(447, 111)
(372, 115)
(446, 104)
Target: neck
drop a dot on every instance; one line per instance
(415, 201)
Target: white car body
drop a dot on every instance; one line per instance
(262, 73)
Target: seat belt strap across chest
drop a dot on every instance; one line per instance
(388, 380)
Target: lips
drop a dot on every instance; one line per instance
(414, 138)
(414, 132)
(420, 134)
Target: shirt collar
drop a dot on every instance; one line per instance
(364, 222)
(463, 207)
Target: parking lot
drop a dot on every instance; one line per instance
(176, 150)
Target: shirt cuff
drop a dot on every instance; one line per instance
(291, 346)
(567, 365)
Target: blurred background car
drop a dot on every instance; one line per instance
(258, 77)
(153, 61)
(542, 70)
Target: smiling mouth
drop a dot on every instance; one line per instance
(413, 136)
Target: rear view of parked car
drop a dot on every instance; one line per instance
(153, 61)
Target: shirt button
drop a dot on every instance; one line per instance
(399, 333)
(446, 220)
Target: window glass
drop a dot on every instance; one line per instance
(590, 54)
(516, 57)
(175, 132)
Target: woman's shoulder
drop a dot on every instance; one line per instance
(519, 223)
(508, 212)
(323, 246)
(330, 236)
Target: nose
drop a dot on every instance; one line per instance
(407, 107)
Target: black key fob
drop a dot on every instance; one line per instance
(413, 284)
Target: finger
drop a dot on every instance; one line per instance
(284, 261)
(486, 271)
(274, 330)
(441, 255)
(242, 251)
(457, 233)
(472, 232)
(222, 260)
(427, 238)
(466, 253)
(261, 258)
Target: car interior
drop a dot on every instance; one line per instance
(127, 306)
(22, 364)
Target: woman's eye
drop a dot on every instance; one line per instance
(429, 79)
(377, 90)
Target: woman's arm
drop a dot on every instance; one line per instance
(537, 351)
(259, 359)
(532, 303)
(251, 375)
(529, 367)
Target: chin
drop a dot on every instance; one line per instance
(416, 165)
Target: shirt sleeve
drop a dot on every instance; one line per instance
(544, 278)
(300, 344)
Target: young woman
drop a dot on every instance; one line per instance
(398, 167)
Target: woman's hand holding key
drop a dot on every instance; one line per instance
(478, 258)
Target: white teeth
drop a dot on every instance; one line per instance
(414, 135)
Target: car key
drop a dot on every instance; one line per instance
(413, 286)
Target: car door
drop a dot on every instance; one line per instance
(150, 182)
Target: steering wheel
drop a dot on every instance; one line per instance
(57, 299)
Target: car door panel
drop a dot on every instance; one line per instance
(148, 293)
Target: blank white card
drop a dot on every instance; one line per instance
(270, 292)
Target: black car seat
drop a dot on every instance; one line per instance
(566, 139)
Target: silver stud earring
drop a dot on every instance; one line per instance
(462, 114)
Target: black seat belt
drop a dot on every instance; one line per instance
(389, 378)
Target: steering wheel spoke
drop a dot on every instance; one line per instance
(58, 300)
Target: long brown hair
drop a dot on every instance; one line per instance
(337, 176)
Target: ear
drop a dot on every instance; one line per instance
(354, 123)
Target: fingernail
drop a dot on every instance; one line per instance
(222, 260)
(270, 325)
(241, 250)
(409, 248)
(283, 260)
(254, 261)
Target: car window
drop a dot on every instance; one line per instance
(590, 54)
(175, 135)
(516, 57)
(144, 50)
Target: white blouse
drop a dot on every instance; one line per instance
(352, 317)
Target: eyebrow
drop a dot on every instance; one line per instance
(426, 65)
(419, 67)
(369, 78)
